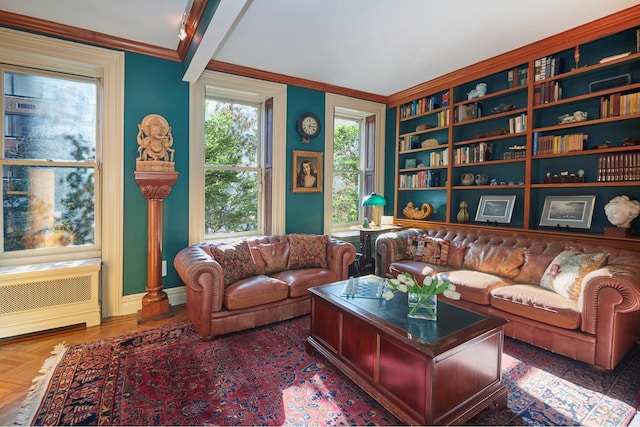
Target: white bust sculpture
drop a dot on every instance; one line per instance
(621, 211)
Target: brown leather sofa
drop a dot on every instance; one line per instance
(241, 284)
(501, 275)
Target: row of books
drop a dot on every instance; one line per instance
(514, 154)
(420, 179)
(424, 104)
(547, 66)
(518, 124)
(619, 105)
(554, 144)
(619, 167)
(468, 112)
(410, 142)
(517, 77)
(473, 153)
(439, 158)
(442, 118)
(547, 92)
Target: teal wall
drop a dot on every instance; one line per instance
(390, 160)
(154, 86)
(304, 210)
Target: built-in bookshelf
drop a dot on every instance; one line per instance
(557, 118)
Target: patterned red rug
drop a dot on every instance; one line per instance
(264, 376)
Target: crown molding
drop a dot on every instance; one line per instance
(48, 28)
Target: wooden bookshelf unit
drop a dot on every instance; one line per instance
(559, 117)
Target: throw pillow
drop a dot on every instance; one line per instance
(431, 250)
(456, 254)
(504, 261)
(275, 256)
(307, 251)
(566, 272)
(533, 268)
(235, 259)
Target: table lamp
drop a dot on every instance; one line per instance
(376, 202)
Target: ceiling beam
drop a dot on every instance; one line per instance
(211, 34)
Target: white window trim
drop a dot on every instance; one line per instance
(333, 101)
(30, 50)
(262, 91)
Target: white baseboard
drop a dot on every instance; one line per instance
(132, 303)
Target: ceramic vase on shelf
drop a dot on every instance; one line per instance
(422, 306)
(467, 179)
(463, 215)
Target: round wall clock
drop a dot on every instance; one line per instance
(308, 126)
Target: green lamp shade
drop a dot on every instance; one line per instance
(374, 199)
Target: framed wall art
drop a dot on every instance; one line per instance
(567, 211)
(306, 174)
(495, 209)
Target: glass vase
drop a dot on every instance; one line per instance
(422, 306)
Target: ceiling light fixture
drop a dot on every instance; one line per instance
(182, 34)
(183, 30)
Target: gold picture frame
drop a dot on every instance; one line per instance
(306, 173)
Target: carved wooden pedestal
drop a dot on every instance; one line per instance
(155, 187)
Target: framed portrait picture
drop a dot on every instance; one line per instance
(567, 211)
(495, 209)
(306, 174)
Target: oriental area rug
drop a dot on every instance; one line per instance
(264, 376)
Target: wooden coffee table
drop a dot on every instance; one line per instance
(424, 372)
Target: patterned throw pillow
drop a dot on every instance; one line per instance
(566, 272)
(307, 251)
(428, 249)
(236, 261)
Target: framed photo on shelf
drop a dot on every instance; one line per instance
(567, 211)
(306, 174)
(495, 209)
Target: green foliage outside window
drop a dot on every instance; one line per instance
(231, 168)
(346, 167)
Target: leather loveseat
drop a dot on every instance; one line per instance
(244, 283)
(580, 300)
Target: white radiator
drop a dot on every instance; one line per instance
(37, 297)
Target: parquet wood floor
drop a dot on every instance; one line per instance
(22, 357)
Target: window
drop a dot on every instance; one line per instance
(348, 172)
(357, 166)
(49, 163)
(234, 168)
(247, 118)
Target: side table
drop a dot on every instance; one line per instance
(365, 243)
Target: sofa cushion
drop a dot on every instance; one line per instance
(415, 268)
(254, 291)
(456, 255)
(307, 251)
(235, 259)
(300, 281)
(536, 303)
(500, 260)
(427, 249)
(533, 268)
(474, 286)
(566, 272)
(275, 256)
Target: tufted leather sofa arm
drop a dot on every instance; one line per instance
(204, 282)
(611, 302)
(340, 255)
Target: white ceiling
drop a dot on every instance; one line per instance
(376, 46)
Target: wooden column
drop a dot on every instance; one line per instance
(155, 187)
